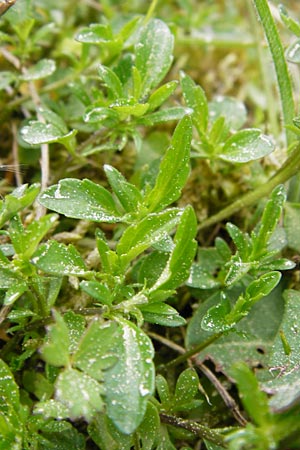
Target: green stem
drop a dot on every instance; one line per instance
(193, 351)
(272, 108)
(290, 168)
(195, 427)
(282, 73)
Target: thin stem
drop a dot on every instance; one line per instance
(290, 168)
(150, 11)
(196, 428)
(193, 351)
(282, 73)
(228, 400)
(272, 108)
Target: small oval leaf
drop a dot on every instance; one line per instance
(246, 145)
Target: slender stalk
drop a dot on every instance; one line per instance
(193, 351)
(272, 107)
(195, 427)
(282, 73)
(290, 168)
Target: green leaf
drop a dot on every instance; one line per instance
(94, 353)
(293, 52)
(58, 259)
(162, 314)
(269, 220)
(43, 69)
(254, 400)
(254, 341)
(153, 53)
(26, 240)
(263, 286)
(195, 98)
(52, 408)
(76, 327)
(200, 278)
(187, 386)
(162, 388)
(9, 278)
(57, 338)
(9, 390)
(98, 291)
(14, 292)
(165, 115)
(19, 199)
(289, 22)
(95, 34)
(128, 195)
(246, 145)
(237, 270)
(292, 224)
(150, 230)
(233, 111)
(174, 169)
(158, 97)
(37, 133)
(100, 114)
(177, 269)
(107, 436)
(80, 393)
(242, 240)
(215, 318)
(130, 381)
(148, 431)
(111, 80)
(81, 199)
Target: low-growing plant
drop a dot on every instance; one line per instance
(113, 300)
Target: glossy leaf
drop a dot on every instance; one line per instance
(153, 53)
(254, 339)
(158, 97)
(240, 239)
(14, 292)
(269, 221)
(246, 145)
(81, 199)
(98, 291)
(107, 436)
(187, 386)
(174, 169)
(37, 133)
(19, 199)
(164, 115)
(293, 52)
(162, 314)
(76, 327)
(42, 69)
(233, 111)
(128, 195)
(80, 393)
(130, 381)
(59, 259)
(150, 230)
(94, 353)
(95, 34)
(177, 269)
(9, 390)
(57, 338)
(111, 80)
(26, 240)
(195, 98)
(148, 431)
(215, 318)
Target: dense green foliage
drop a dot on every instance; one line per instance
(149, 283)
